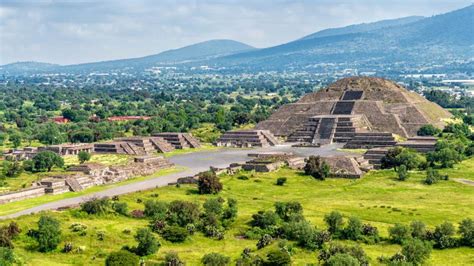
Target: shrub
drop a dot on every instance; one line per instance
(291, 210)
(353, 230)
(466, 230)
(428, 130)
(402, 173)
(209, 183)
(281, 181)
(399, 233)
(445, 157)
(68, 247)
(230, 213)
(182, 213)
(155, 209)
(264, 220)
(370, 233)
(433, 176)
(147, 242)
(390, 159)
(411, 159)
(278, 258)
(334, 221)
(317, 168)
(8, 233)
(96, 206)
(243, 177)
(174, 234)
(215, 259)
(122, 258)
(342, 260)
(48, 234)
(264, 241)
(213, 206)
(418, 229)
(336, 248)
(120, 208)
(137, 214)
(78, 228)
(416, 251)
(6, 256)
(443, 236)
(172, 259)
(83, 156)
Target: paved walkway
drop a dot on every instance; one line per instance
(194, 163)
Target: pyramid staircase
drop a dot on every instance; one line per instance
(161, 145)
(374, 156)
(368, 140)
(180, 140)
(247, 138)
(73, 184)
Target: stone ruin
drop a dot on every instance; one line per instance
(134, 146)
(361, 110)
(68, 149)
(247, 139)
(347, 166)
(85, 175)
(180, 140)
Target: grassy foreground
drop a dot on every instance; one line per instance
(377, 198)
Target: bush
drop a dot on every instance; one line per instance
(428, 130)
(83, 156)
(138, 214)
(336, 248)
(411, 159)
(399, 233)
(264, 220)
(466, 230)
(182, 213)
(155, 209)
(418, 230)
(264, 241)
(120, 208)
(334, 221)
(6, 256)
(445, 157)
(213, 206)
(48, 234)
(416, 251)
(317, 168)
(147, 242)
(433, 176)
(215, 259)
(209, 183)
(370, 233)
(443, 236)
(288, 211)
(278, 258)
(353, 230)
(281, 181)
(96, 206)
(402, 173)
(174, 234)
(342, 260)
(172, 259)
(122, 258)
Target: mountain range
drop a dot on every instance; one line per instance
(411, 41)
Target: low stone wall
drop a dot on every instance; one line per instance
(22, 194)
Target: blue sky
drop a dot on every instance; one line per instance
(68, 31)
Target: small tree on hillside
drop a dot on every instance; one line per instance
(121, 258)
(83, 156)
(48, 234)
(209, 183)
(317, 168)
(402, 173)
(334, 221)
(46, 160)
(147, 242)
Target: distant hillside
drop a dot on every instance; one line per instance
(27, 67)
(364, 27)
(432, 40)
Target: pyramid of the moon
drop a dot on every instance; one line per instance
(353, 105)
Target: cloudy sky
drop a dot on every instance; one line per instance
(77, 31)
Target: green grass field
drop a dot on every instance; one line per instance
(376, 198)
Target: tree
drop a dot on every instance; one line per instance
(334, 221)
(182, 213)
(48, 234)
(96, 206)
(342, 260)
(215, 259)
(399, 233)
(50, 134)
(317, 168)
(155, 209)
(12, 168)
(278, 258)
(122, 258)
(432, 176)
(291, 210)
(402, 173)
(466, 230)
(411, 159)
(428, 130)
(147, 242)
(7, 257)
(390, 158)
(120, 208)
(83, 156)
(45, 160)
(209, 183)
(418, 229)
(416, 251)
(264, 220)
